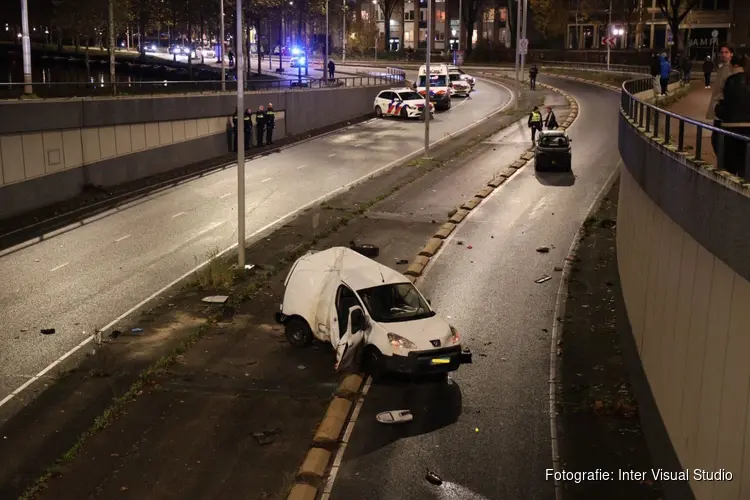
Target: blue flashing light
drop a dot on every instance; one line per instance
(296, 51)
(302, 60)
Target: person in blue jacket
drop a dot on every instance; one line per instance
(664, 74)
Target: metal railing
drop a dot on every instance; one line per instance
(613, 68)
(732, 149)
(129, 88)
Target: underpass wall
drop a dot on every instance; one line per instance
(683, 246)
(51, 149)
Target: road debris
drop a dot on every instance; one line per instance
(542, 249)
(365, 249)
(48, 331)
(401, 261)
(433, 478)
(459, 243)
(114, 334)
(558, 268)
(266, 437)
(394, 417)
(248, 267)
(137, 330)
(215, 299)
(543, 279)
(469, 247)
(301, 367)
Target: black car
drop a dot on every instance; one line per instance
(552, 151)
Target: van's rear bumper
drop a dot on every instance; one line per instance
(427, 362)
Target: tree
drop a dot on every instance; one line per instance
(387, 7)
(550, 17)
(676, 11)
(472, 11)
(363, 37)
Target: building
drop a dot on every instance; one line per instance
(708, 25)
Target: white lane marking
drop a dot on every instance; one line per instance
(538, 207)
(357, 145)
(266, 180)
(58, 267)
(177, 215)
(277, 223)
(227, 195)
(331, 155)
(301, 167)
(345, 442)
(560, 303)
(118, 240)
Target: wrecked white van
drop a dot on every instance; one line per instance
(342, 297)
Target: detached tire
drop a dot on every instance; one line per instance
(298, 332)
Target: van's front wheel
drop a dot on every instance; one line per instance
(298, 332)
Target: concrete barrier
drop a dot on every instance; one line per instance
(51, 149)
(683, 246)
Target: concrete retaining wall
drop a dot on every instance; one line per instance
(683, 244)
(49, 149)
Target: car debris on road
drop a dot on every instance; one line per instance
(394, 417)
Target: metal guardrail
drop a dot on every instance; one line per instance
(732, 149)
(106, 89)
(613, 68)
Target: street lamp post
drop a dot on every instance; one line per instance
(518, 40)
(26, 48)
(523, 35)
(240, 142)
(460, 21)
(609, 24)
(426, 112)
(221, 51)
(325, 49)
(343, 35)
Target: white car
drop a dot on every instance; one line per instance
(464, 75)
(459, 86)
(340, 296)
(206, 52)
(400, 102)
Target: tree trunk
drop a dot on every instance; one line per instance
(387, 29)
(358, 12)
(257, 45)
(86, 59)
(111, 44)
(469, 32)
(77, 43)
(402, 26)
(190, 49)
(246, 48)
(203, 59)
(142, 45)
(511, 27)
(496, 28)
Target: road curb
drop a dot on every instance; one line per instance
(420, 262)
(316, 463)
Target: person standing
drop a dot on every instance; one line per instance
(666, 69)
(535, 122)
(331, 69)
(270, 123)
(248, 129)
(235, 131)
(687, 69)
(724, 71)
(260, 124)
(533, 72)
(734, 112)
(231, 58)
(550, 121)
(655, 72)
(708, 68)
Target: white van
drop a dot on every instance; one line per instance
(340, 296)
(440, 85)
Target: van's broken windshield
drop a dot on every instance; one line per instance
(395, 302)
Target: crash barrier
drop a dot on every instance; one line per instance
(51, 149)
(650, 118)
(15, 90)
(683, 240)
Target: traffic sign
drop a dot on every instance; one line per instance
(609, 41)
(523, 46)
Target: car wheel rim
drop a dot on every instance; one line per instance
(297, 335)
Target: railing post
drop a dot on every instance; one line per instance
(745, 172)
(681, 136)
(667, 122)
(698, 143)
(640, 114)
(720, 153)
(648, 119)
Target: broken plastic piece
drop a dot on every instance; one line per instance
(249, 266)
(558, 268)
(216, 299)
(433, 478)
(137, 330)
(365, 249)
(542, 249)
(395, 417)
(543, 279)
(48, 331)
(469, 247)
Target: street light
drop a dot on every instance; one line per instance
(325, 49)
(26, 47)
(221, 53)
(240, 143)
(426, 112)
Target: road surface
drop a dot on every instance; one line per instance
(84, 276)
(486, 432)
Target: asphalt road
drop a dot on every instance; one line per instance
(84, 276)
(486, 431)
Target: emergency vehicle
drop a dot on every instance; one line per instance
(459, 86)
(403, 102)
(440, 87)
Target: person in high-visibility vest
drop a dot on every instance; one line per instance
(535, 122)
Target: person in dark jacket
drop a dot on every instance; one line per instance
(235, 131)
(734, 112)
(708, 68)
(533, 72)
(655, 72)
(248, 129)
(331, 69)
(550, 121)
(666, 68)
(687, 69)
(270, 123)
(260, 124)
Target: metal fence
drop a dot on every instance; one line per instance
(732, 149)
(613, 68)
(106, 89)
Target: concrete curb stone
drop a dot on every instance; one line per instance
(471, 204)
(459, 216)
(302, 491)
(497, 181)
(315, 464)
(445, 230)
(350, 386)
(333, 422)
(416, 267)
(485, 192)
(518, 164)
(527, 156)
(431, 248)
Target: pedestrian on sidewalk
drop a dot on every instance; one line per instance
(687, 69)
(724, 71)
(235, 131)
(666, 69)
(248, 129)
(260, 124)
(708, 68)
(734, 112)
(231, 58)
(535, 123)
(270, 123)
(533, 72)
(550, 121)
(655, 72)
(331, 69)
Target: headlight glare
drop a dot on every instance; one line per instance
(455, 336)
(399, 342)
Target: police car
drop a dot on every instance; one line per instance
(402, 102)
